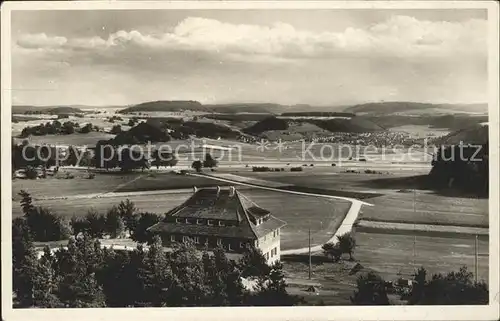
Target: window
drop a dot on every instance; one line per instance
(267, 256)
(274, 233)
(196, 240)
(278, 232)
(219, 241)
(185, 239)
(177, 220)
(272, 252)
(221, 223)
(256, 243)
(209, 222)
(199, 221)
(242, 245)
(229, 246)
(172, 238)
(187, 221)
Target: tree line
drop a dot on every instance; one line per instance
(57, 128)
(463, 167)
(453, 288)
(85, 275)
(122, 220)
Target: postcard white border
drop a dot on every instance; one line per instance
(490, 312)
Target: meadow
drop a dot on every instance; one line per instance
(301, 213)
(393, 255)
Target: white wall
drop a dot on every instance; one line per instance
(269, 242)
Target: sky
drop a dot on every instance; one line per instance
(317, 57)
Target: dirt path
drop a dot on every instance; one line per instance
(345, 227)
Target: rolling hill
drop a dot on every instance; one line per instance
(165, 106)
(26, 109)
(413, 108)
(474, 135)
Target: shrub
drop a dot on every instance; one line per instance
(296, 169)
(260, 169)
(31, 172)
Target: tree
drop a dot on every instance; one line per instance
(454, 288)
(128, 213)
(197, 165)
(31, 172)
(253, 264)
(155, 275)
(86, 129)
(131, 159)
(209, 161)
(115, 226)
(116, 129)
(72, 159)
(68, 128)
(96, 223)
(332, 251)
(24, 263)
(42, 223)
(140, 233)
(45, 283)
(346, 243)
(370, 290)
(163, 159)
(79, 225)
(78, 265)
(222, 279)
(271, 289)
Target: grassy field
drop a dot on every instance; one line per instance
(51, 187)
(162, 181)
(391, 254)
(393, 206)
(73, 139)
(426, 207)
(300, 212)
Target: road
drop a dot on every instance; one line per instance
(345, 227)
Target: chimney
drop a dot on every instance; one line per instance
(195, 189)
(232, 191)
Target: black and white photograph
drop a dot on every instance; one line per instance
(257, 154)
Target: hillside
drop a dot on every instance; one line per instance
(26, 109)
(247, 108)
(348, 125)
(413, 108)
(474, 135)
(165, 106)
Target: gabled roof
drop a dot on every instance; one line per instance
(219, 204)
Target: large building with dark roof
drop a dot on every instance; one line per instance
(217, 216)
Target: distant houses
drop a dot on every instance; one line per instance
(222, 217)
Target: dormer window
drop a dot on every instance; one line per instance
(177, 220)
(199, 222)
(210, 222)
(221, 223)
(187, 221)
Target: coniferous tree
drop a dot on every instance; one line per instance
(370, 290)
(24, 263)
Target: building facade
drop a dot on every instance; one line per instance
(222, 217)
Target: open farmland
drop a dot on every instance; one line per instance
(164, 181)
(392, 255)
(53, 187)
(427, 207)
(394, 205)
(76, 139)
